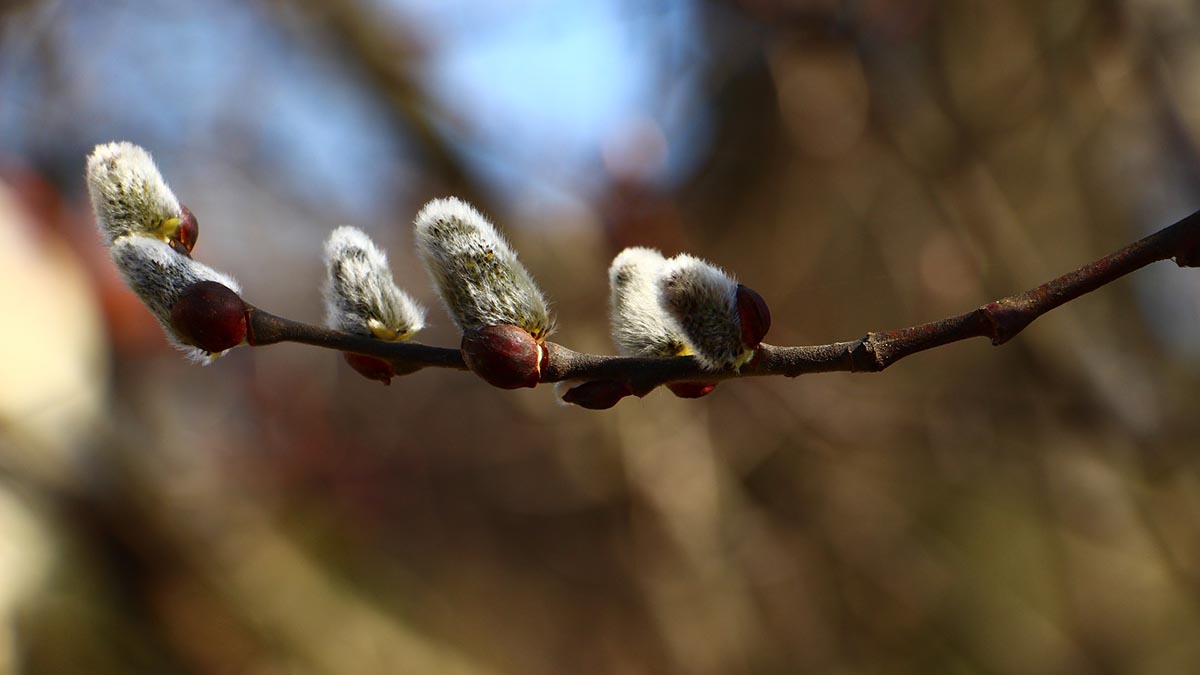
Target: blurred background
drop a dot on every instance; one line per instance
(864, 164)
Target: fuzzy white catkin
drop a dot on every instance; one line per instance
(129, 195)
(640, 326)
(159, 275)
(360, 294)
(702, 299)
(476, 272)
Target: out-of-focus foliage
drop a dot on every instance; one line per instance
(864, 165)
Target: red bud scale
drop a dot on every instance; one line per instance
(504, 355)
(210, 316)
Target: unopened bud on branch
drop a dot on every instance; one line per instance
(161, 277)
(130, 198)
(488, 292)
(504, 355)
(594, 394)
(211, 316)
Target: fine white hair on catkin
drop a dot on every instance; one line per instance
(702, 299)
(640, 325)
(360, 294)
(475, 272)
(129, 195)
(159, 275)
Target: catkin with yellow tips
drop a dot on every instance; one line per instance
(702, 299)
(360, 294)
(129, 195)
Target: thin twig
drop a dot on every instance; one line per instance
(999, 321)
(268, 329)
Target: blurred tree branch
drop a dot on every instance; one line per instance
(386, 57)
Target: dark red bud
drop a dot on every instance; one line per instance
(189, 229)
(504, 355)
(210, 316)
(754, 315)
(691, 389)
(597, 394)
(371, 367)
(178, 247)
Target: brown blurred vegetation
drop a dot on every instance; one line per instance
(874, 164)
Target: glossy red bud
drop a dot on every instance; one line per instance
(210, 316)
(754, 315)
(691, 389)
(597, 394)
(371, 367)
(504, 355)
(189, 229)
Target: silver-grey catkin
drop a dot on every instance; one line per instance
(640, 325)
(129, 195)
(159, 275)
(360, 294)
(476, 272)
(702, 299)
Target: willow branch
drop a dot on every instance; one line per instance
(999, 321)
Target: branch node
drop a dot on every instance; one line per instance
(864, 357)
(1005, 318)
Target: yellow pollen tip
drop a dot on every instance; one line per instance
(390, 334)
(167, 229)
(744, 358)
